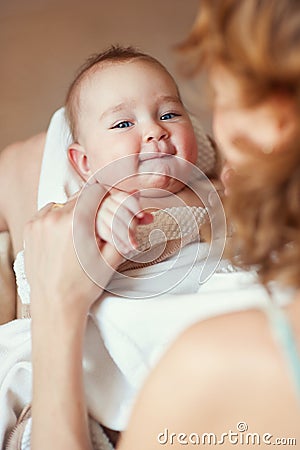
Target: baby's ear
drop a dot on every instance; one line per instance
(79, 160)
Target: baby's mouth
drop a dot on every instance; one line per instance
(154, 155)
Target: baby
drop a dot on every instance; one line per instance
(130, 130)
(125, 104)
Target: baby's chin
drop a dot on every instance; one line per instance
(162, 171)
(152, 185)
(165, 174)
(159, 186)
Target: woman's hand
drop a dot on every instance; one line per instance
(59, 274)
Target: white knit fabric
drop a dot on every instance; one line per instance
(177, 222)
(168, 224)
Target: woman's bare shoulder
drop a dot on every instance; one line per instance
(22, 154)
(222, 377)
(239, 370)
(232, 341)
(19, 174)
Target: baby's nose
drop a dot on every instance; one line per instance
(155, 132)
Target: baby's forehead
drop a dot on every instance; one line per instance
(101, 84)
(93, 74)
(109, 85)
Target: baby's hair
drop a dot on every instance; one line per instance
(113, 54)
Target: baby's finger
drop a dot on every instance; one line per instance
(104, 232)
(121, 241)
(129, 201)
(112, 229)
(105, 235)
(113, 209)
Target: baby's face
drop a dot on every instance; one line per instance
(134, 108)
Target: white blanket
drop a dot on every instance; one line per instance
(137, 333)
(15, 372)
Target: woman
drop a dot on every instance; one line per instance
(227, 376)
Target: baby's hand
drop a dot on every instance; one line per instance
(117, 219)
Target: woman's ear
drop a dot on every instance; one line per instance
(79, 160)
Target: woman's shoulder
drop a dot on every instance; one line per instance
(20, 165)
(228, 342)
(220, 375)
(21, 159)
(31, 147)
(239, 370)
(225, 328)
(234, 341)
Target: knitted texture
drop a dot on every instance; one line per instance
(171, 229)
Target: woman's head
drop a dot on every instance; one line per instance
(251, 50)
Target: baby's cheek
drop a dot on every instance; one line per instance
(192, 150)
(186, 145)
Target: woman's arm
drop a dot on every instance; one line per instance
(61, 296)
(59, 310)
(58, 409)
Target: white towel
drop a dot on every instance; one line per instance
(15, 373)
(105, 384)
(58, 179)
(136, 333)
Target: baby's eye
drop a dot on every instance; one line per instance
(123, 124)
(169, 116)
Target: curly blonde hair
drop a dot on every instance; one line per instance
(258, 41)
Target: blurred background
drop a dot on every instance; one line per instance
(43, 42)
